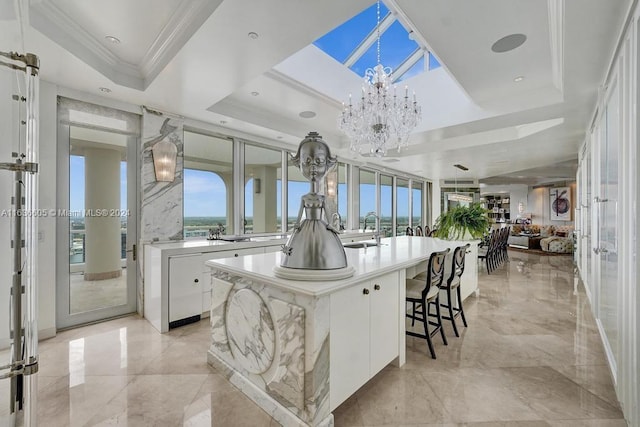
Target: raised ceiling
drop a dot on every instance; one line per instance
(195, 58)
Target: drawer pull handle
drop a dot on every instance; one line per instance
(365, 291)
(376, 287)
(196, 280)
(235, 255)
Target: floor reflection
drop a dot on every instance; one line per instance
(531, 353)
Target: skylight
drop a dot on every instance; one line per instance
(353, 43)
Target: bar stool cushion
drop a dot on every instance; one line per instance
(415, 288)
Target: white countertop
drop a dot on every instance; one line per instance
(204, 245)
(395, 253)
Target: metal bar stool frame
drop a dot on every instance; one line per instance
(430, 296)
(453, 283)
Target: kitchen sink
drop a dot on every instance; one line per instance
(360, 245)
(235, 238)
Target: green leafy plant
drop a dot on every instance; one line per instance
(462, 222)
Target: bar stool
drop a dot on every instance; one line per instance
(453, 283)
(419, 231)
(409, 231)
(425, 293)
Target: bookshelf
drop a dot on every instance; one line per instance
(498, 206)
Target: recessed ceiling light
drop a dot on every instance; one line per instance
(518, 79)
(508, 43)
(105, 89)
(307, 114)
(254, 93)
(112, 39)
(253, 35)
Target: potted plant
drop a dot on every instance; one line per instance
(463, 223)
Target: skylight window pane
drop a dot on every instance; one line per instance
(341, 41)
(417, 68)
(433, 62)
(395, 48)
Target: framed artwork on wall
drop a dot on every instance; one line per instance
(560, 204)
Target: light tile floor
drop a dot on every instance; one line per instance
(531, 357)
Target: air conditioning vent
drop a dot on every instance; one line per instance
(467, 182)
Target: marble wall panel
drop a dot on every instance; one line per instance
(161, 204)
(297, 382)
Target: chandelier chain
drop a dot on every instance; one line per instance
(378, 32)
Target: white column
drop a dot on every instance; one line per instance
(265, 199)
(102, 193)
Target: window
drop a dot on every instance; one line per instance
(416, 203)
(386, 205)
(297, 186)
(367, 196)
(208, 184)
(402, 206)
(262, 189)
(343, 208)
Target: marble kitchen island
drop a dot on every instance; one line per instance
(301, 348)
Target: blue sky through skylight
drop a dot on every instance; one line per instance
(395, 45)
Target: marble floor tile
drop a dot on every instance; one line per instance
(530, 357)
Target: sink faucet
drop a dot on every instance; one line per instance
(376, 234)
(214, 233)
(336, 219)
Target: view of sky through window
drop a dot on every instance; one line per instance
(395, 45)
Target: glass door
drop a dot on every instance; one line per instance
(607, 220)
(97, 226)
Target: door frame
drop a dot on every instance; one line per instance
(65, 319)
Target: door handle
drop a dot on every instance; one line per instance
(133, 251)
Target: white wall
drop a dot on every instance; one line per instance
(47, 200)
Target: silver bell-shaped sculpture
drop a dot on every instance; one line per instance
(314, 243)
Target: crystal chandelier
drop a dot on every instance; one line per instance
(381, 119)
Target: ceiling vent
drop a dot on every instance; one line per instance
(459, 183)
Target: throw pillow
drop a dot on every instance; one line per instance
(561, 233)
(517, 229)
(546, 231)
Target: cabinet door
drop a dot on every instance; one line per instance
(469, 279)
(384, 321)
(185, 287)
(349, 342)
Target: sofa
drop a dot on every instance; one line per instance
(559, 239)
(549, 238)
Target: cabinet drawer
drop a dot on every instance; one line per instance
(228, 254)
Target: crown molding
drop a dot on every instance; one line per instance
(187, 19)
(54, 23)
(51, 21)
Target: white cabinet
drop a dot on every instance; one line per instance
(185, 288)
(469, 279)
(364, 334)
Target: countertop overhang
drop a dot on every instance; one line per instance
(393, 254)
